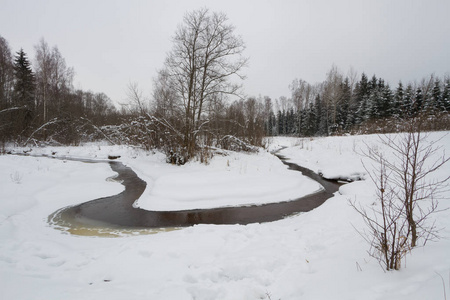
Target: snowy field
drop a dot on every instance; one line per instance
(314, 255)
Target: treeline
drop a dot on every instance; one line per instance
(39, 103)
(189, 114)
(346, 105)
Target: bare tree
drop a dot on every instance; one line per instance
(205, 57)
(137, 102)
(6, 74)
(407, 194)
(332, 92)
(417, 159)
(165, 101)
(387, 230)
(352, 76)
(53, 80)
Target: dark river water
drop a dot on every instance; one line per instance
(117, 211)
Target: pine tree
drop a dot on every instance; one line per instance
(24, 81)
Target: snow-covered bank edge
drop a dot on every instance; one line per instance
(230, 180)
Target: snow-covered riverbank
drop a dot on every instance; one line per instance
(315, 255)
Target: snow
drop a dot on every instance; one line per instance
(229, 179)
(341, 160)
(314, 255)
(232, 180)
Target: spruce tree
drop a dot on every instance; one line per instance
(387, 109)
(398, 101)
(318, 114)
(436, 98)
(322, 115)
(362, 91)
(344, 105)
(363, 85)
(406, 107)
(24, 81)
(304, 124)
(373, 84)
(312, 118)
(373, 104)
(418, 102)
(291, 128)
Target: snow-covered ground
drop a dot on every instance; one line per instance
(314, 255)
(229, 179)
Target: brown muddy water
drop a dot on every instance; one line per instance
(116, 216)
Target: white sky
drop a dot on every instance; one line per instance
(111, 43)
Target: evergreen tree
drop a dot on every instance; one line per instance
(373, 84)
(291, 128)
(436, 99)
(298, 121)
(373, 104)
(322, 114)
(280, 118)
(312, 120)
(24, 81)
(362, 91)
(398, 101)
(363, 86)
(318, 115)
(446, 96)
(407, 105)
(386, 108)
(344, 105)
(360, 114)
(418, 102)
(271, 124)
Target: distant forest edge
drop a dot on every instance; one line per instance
(39, 105)
(341, 105)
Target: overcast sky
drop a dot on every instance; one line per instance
(111, 43)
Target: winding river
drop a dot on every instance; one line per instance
(118, 212)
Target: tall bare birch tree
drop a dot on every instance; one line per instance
(206, 55)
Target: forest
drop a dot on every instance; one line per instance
(198, 104)
(348, 105)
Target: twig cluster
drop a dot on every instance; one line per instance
(406, 196)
